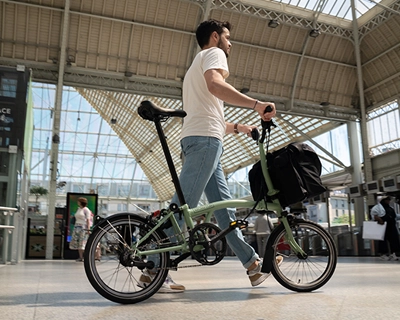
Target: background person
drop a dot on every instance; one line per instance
(383, 212)
(262, 228)
(81, 228)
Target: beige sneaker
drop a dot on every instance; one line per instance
(169, 285)
(279, 260)
(257, 277)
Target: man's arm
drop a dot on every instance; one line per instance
(224, 91)
(241, 128)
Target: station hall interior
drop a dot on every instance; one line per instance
(73, 73)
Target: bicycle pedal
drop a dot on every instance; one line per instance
(241, 224)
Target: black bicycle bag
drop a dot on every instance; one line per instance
(295, 171)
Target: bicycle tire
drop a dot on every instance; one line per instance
(303, 274)
(112, 276)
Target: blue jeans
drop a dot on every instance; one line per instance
(202, 171)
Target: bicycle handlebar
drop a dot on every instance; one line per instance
(268, 109)
(266, 125)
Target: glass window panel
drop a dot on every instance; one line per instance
(95, 121)
(122, 207)
(393, 124)
(66, 164)
(383, 128)
(113, 144)
(384, 122)
(105, 128)
(378, 131)
(87, 166)
(80, 143)
(139, 175)
(39, 162)
(99, 167)
(341, 9)
(123, 190)
(73, 141)
(104, 167)
(8, 87)
(103, 144)
(144, 191)
(69, 121)
(77, 187)
(71, 100)
(371, 133)
(91, 143)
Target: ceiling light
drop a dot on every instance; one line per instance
(273, 23)
(314, 33)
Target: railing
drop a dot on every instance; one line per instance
(8, 229)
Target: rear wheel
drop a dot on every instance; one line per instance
(118, 276)
(309, 272)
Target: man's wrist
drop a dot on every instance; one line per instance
(255, 104)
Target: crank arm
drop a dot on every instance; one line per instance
(241, 224)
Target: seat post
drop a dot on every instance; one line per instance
(170, 163)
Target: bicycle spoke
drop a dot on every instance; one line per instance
(116, 276)
(305, 273)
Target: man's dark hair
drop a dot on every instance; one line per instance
(206, 28)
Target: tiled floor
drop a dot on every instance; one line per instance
(361, 288)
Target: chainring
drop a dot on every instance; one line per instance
(201, 246)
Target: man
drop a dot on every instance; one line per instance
(204, 127)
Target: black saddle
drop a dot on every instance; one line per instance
(149, 111)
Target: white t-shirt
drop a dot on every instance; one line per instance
(205, 112)
(81, 216)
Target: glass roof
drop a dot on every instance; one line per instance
(90, 153)
(336, 8)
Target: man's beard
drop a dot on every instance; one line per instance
(219, 45)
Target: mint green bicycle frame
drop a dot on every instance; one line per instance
(208, 211)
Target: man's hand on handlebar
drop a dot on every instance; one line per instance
(266, 110)
(248, 129)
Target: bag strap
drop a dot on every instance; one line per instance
(252, 210)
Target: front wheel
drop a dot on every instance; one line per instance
(112, 263)
(303, 273)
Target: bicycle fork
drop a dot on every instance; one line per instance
(294, 247)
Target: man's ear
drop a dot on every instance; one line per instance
(214, 37)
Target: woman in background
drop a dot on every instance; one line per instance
(383, 212)
(81, 229)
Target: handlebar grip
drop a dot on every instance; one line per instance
(268, 109)
(255, 134)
